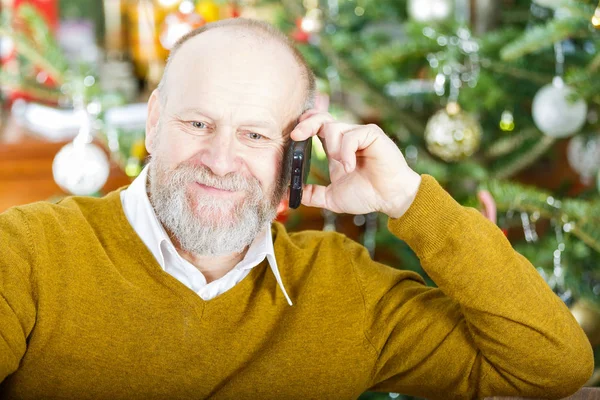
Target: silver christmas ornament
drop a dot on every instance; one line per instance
(583, 155)
(81, 168)
(554, 113)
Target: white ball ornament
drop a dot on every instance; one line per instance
(583, 155)
(430, 10)
(554, 113)
(80, 168)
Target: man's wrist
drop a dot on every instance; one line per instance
(410, 188)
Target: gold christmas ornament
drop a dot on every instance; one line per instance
(209, 10)
(588, 317)
(452, 134)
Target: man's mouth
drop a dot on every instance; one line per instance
(213, 190)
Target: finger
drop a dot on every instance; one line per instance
(353, 141)
(310, 126)
(309, 113)
(331, 138)
(331, 134)
(315, 196)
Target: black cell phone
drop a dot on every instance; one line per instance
(300, 168)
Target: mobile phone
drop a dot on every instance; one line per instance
(300, 168)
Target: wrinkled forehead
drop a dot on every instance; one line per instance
(252, 69)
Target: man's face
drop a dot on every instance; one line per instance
(218, 147)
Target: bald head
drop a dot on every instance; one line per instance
(254, 34)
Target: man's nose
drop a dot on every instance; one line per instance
(221, 155)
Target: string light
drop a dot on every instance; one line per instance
(596, 17)
(507, 121)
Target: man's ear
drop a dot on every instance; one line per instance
(284, 204)
(152, 120)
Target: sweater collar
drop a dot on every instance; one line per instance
(143, 219)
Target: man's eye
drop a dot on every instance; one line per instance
(255, 136)
(199, 125)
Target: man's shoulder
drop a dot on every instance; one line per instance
(63, 213)
(335, 254)
(309, 248)
(307, 240)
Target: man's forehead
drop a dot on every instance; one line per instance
(204, 73)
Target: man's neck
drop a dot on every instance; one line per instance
(212, 267)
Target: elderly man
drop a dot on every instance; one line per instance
(182, 287)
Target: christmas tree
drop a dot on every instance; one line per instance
(498, 100)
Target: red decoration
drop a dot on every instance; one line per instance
(9, 62)
(299, 34)
(489, 205)
(235, 12)
(47, 8)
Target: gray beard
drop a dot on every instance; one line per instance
(208, 225)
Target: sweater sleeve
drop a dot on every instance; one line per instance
(492, 327)
(17, 306)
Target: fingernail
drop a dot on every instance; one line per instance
(347, 166)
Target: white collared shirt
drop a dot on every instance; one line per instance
(141, 216)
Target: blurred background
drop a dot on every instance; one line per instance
(499, 100)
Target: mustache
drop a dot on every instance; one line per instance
(185, 174)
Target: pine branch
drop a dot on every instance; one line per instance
(26, 49)
(508, 144)
(14, 83)
(519, 73)
(396, 53)
(383, 101)
(523, 161)
(544, 36)
(594, 64)
(42, 37)
(579, 79)
(427, 165)
(37, 44)
(583, 216)
(347, 70)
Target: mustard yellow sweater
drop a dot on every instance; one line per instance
(87, 313)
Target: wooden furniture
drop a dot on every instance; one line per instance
(26, 167)
(583, 394)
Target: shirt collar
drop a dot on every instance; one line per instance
(142, 217)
